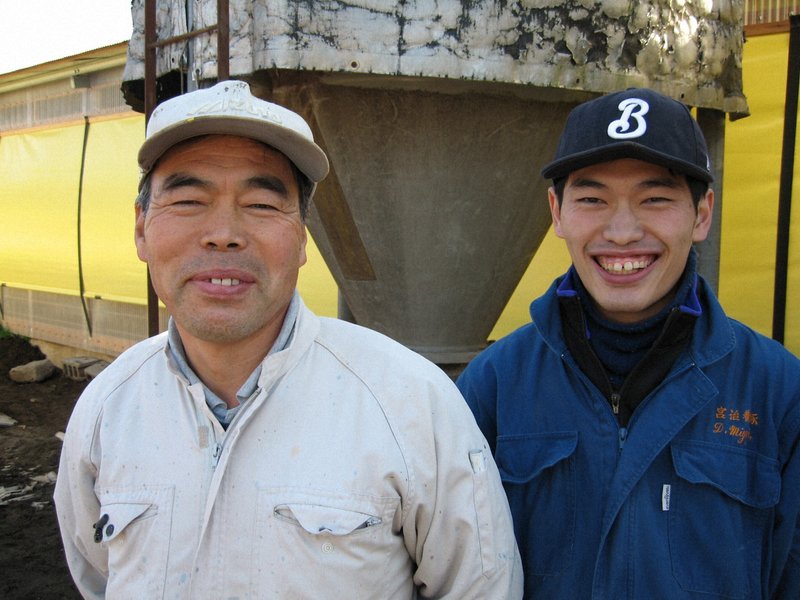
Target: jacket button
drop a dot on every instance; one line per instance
(110, 530)
(98, 528)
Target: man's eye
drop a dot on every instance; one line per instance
(589, 200)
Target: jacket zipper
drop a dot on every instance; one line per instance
(623, 431)
(218, 445)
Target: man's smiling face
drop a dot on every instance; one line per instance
(629, 226)
(223, 238)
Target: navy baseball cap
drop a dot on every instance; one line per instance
(637, 123)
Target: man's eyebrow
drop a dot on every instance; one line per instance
(263, 182)
(586, 182)
(181, 180)
(269, 183)
(656, 182)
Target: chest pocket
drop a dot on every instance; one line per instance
(344, 536)
(538, 473)
(134, 525)
(325, 519)
(718, 513)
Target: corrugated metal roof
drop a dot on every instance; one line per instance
(62, 68)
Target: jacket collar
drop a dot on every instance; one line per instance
(713, 336)
(299, 336)
(276, 364)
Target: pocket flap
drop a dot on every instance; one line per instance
(520, 458)
(743, 475)
(119, 516)
(326, 519)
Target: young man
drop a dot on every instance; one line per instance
(648, 444)
(255, 450)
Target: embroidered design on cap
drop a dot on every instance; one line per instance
(239, 101)
(634, 108)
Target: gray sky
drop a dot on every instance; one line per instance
(37, 31)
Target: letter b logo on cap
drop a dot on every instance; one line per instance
(632, 109)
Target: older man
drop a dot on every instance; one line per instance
(255, 450)
(647, 442)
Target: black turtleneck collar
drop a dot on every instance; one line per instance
(620, 346)
(626, 361)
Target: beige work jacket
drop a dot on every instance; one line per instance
(356, 471)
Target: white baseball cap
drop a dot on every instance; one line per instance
(229, 108)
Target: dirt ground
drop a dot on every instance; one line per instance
(32, 564)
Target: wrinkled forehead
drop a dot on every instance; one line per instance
(219, 143)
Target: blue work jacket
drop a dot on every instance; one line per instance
(698, 497)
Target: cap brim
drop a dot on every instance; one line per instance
(306, 155)
(564, 166)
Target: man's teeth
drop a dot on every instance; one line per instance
(227, 281)
(626, 267)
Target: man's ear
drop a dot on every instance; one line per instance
(303, 244)
(704, 218)
(555, 210)
(138, 234)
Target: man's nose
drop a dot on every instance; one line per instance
(623, 226)
(223, 229)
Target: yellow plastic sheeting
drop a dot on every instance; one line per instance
(750, 203)
(316, 284)
(111, 268)
(550, 261)
(38, 204)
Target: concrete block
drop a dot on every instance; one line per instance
(32, 372)
(75, 367)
